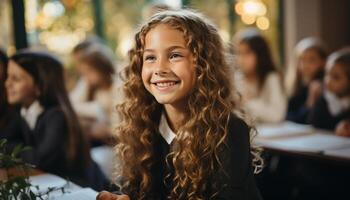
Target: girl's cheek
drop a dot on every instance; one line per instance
(146, 76)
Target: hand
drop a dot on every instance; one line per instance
(104, 195)
(343, 128)
(315, 90)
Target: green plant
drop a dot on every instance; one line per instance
(17, 186)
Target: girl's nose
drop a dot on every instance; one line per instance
(160, 73)
(162, 67)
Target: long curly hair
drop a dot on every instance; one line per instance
(210, 105)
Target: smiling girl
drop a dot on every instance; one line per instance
(180, 137)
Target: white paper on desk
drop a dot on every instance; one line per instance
(46, 181)
(309, 143)
(341, 153)
(283, 129)
(82, 194)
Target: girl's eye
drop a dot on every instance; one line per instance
(150, 58)
(175, 56)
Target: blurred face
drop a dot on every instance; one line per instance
(310, 63)
(93, 77)
(168, 70)
(336, 80)
(20, 86)
(247, 60)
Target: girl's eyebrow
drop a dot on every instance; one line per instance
(168, 49)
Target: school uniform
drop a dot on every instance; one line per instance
(7, 123)
(235, 180)
(46, 132)
(329, 110)
(298, 111)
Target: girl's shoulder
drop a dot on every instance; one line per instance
(54, 110)
(54, 113)
(238, 123)
(238, 131)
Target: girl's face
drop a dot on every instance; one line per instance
(168, 70)
(336, 80)
(20, 85)
(246, 59)
(310, 63)
(92, 76)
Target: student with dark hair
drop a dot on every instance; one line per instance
(6, 111)
(261, 84)
(48, 124)
(3, 101)
(333, 106)
(311, 60)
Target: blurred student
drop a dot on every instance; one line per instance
(309, 75)
(94, 95)
(80, 48)
(261, 84)
(48, 124)
(6, 111)
(333, 106)
(3, 101)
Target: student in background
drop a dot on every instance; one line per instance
(308, 83)
(6, 111)
(3, 101)
(94, 95)
(80, 48)
(261, 84)
(181, 137)
(48, 124)
(333, 106)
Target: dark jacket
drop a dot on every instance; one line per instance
(320, 116)
(235, 179)
(48, 142)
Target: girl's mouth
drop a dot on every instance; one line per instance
(165, 85)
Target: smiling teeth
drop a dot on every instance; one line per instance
(167, 84)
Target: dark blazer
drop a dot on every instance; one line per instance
(235, 179)
(320, 116)
(297, 110)
(48, 142)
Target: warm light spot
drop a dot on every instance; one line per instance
(248, 19)
(239, 8)
(263, 23)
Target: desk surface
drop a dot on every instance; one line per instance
(303, 140)
(43, 182)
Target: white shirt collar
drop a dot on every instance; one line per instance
(165, 130)
(32, 113)
(336, 105)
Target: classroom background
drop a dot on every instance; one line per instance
(306, 151)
